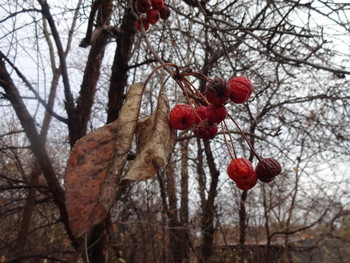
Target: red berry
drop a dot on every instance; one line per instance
(241, 171)
(202, 113)
(143, 5)
(267, 169)
(205, 130)
(157, 4)
(241, 89)
(145, 24)
(249, 184)
(217, 91)
(182, 117)
(216, 113)
(164, 13)
(153, 16)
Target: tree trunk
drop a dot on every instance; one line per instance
(92, 70)
(174, 238)
(121, 66)
(208, 228)
(184, 232)
(28, 209)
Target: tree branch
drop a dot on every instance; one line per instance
(31, 88)
(37, 144)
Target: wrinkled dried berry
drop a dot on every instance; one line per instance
(153, 16)
(202, 114)
(143, 5)
(182, 117)
(217, 91)
(267, 169)
(241, 88)
(157, 4)
(216, 113)
(241, 171)
(205, 130)
(164, 13)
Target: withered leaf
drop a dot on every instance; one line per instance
(155, 143)
(88, 167)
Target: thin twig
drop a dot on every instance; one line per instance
(245, 137)
(86, 249)
(31, 88)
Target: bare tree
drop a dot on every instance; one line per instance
(67, 71)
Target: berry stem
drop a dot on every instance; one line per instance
(196, 91)
(184, 89)
(245, 137)
(223, 124)
(231, 140)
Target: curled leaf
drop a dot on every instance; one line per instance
(155, 143)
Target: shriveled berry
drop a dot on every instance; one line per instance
(153, 16)
(241, 171)
(202, 113)
(182, 117)
(164, 12)
(217, 91)
(144, 22)
(241, 89)
(267, 169)
(205, 130)
(143, 5)
(157, 4)
(216, 113)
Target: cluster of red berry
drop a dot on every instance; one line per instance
(204, 120)
(154, 10)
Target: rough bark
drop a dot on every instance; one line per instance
(92, 70)
(120, 66)
(201, 173)
(174, 240)
(209, 208)
(28, 209)
(185, 245)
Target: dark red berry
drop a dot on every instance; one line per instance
(205, 130)
(157, 4)
(145, 24)
(164, 13)
(202, 114)
(241, 171)
(153, 16)
(267, 169)
(241, 89)
(182, 117)
(216, 113)
(217, 91)
(143, 5)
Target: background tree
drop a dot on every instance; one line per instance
(65, 70)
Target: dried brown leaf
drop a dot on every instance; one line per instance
(89, 166)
